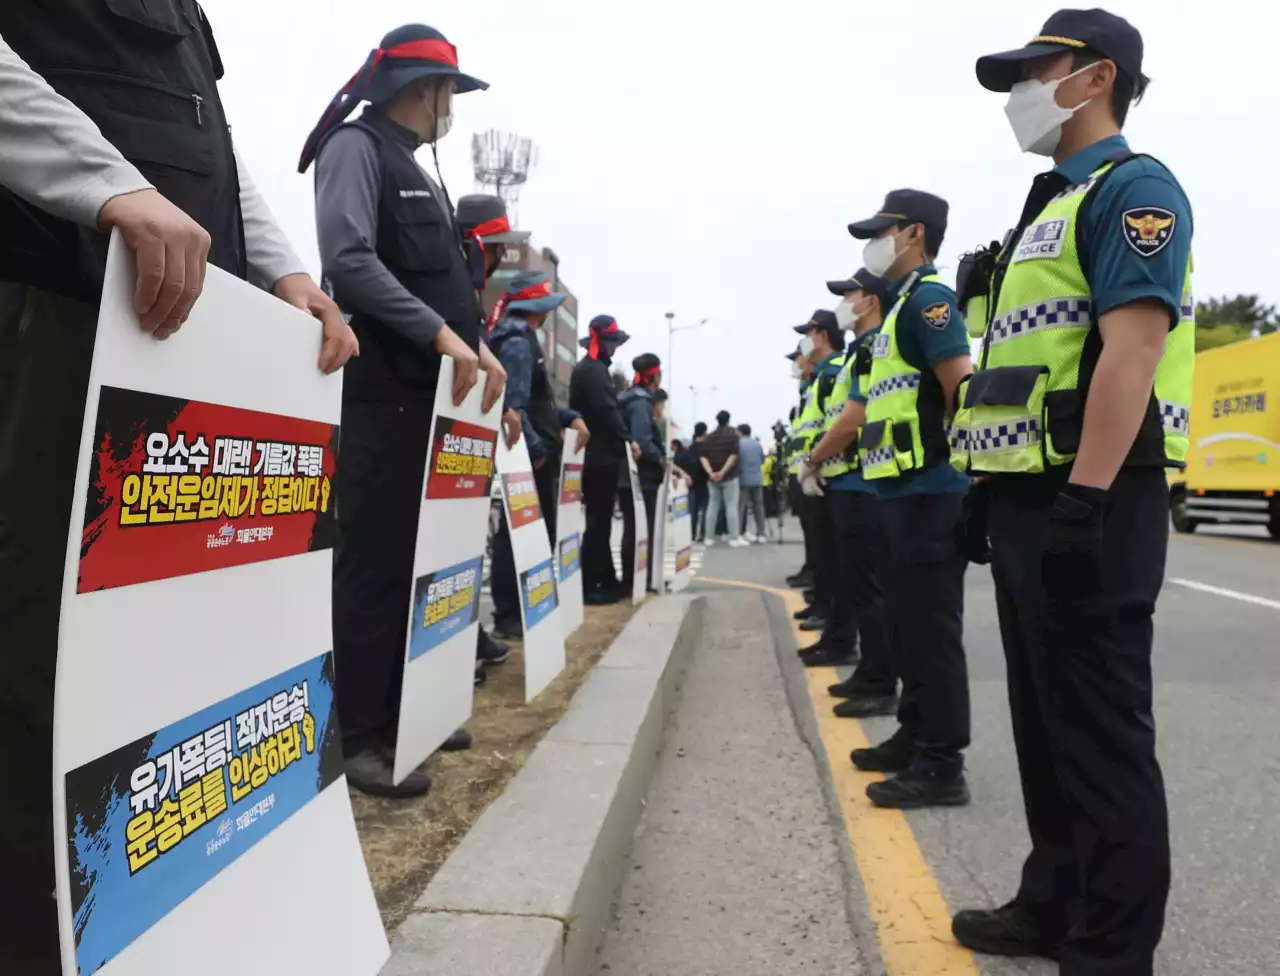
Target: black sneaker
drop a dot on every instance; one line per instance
(370, 772)
(809, 611)
(916, 789)
(482, 674)
(867, 704)
(490, 651)
(825, 656)
(855, 687)
(460, 741)
(811, 624)
(1010, 930)
(511, 630)
(802, 580)
(891, 756)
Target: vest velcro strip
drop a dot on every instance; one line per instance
(894, 384)
(1060, 313)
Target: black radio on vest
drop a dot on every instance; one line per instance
(146, 73)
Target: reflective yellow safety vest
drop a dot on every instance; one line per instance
(856, 368)
(906, 415)
(807, 426)
(829, 407)
(1024, 408)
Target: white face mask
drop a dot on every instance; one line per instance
(1035, 115)
(806, 347)
(848, 318)
(795, 370)
(879, 254)
(443, 124)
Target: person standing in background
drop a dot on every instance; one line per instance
(751, 464)
(638, 406)
(592, 395)
(700, 493)
(719, 458)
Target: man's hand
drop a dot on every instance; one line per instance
(635, 450)
(466, 364)
(171, 250)
(1072, 559)
(972, 536)
(340, 342)
(717, 476)
(584, 435)
(495, 378)
(512, 427)
(810, 481)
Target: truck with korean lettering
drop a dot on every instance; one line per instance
(1233, 462)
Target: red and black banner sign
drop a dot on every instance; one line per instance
(571, 485)
(462, 460)
(522, 498)
(179, 487)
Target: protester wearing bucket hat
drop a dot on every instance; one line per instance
(392, 251)
(515, 322)
(638, 404)
(486, 229)
(872, 689)
(592, 394)
(919, 358)
(1078, 538)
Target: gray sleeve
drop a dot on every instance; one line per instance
(51, 153)
(348, 187)
(268, 251)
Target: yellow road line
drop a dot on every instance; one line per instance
(911, 917)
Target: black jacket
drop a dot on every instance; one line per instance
(591, 394)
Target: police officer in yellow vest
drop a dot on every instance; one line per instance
(800, 439)
(872, 689)
(918, 360)
(829, 612)
(1080, 400)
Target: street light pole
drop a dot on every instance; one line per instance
(672, 329)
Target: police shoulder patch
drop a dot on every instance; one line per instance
(1148, 230)
(938, 315)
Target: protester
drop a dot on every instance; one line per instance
(392, 251)
(719, 457)
(684, 462)
(700, 493)
(638, 407)
(68, 176)
(516, 319)
(593, 396)
(751, 464)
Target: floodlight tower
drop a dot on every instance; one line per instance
(501, 162)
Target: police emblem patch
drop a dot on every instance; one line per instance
(1148, 230)
(938, 315)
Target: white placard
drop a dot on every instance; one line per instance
(570, 527)
(639, 567)
(197, 768)
(680, 537)
(535, 569)
(444, 600)
(657, 549)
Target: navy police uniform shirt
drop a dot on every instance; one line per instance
(930, 330)
(1120, 267)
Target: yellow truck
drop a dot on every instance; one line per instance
(1233, 464)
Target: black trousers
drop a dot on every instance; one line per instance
(46, 347)
(599, 493)
(860, 605)
(803, 506)
(1080, 694)
(925, 589)
(380, 469)
(505, 586)
(627, 504)
(824, 555)
(700, 495)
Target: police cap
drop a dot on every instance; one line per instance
(824, 320)
(862, 280)
(904, 207)
(1068, 30)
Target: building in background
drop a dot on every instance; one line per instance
(559, 335)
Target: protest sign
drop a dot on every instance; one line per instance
(444, 605)
(680, 537)
(641, 559)
(197, 763)
(570, 526)
(535, 568)
(657, 549)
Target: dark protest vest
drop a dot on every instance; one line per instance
(542, 410)
(421, 246)
(145, 72)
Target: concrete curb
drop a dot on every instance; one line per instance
(529, 890)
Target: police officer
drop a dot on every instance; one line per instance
(110, 118)
(796, 445)
(872, 689)
(392, 251)
(918, 359)
(1080, 400)
(516, 319)
(838, 639)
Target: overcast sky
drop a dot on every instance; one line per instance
(699, 158)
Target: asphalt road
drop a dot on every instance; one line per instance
(1217, 661)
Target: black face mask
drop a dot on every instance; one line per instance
(476, 264)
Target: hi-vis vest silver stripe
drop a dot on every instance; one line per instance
(1175, 417)
(997, 437)
(1060, 313)
(903, 381)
